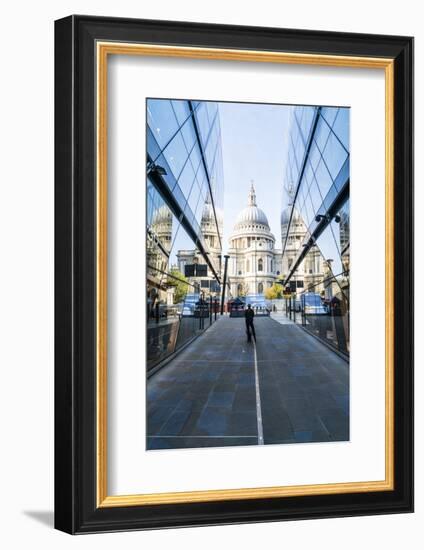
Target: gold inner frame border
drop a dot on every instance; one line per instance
(103, 50)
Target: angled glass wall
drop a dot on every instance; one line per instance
(184, 221)
(315, 221)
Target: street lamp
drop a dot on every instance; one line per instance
(256, 267)
(327, 217)
(157, 169)
(226, 256)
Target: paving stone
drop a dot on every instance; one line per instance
(158, 443)
(190, 424)
(157, 418)
(220, 399)
(244, 399)
(314, 436)
(212, 421)
(155, 443)
(175, 422)
(191, 403)
(208, 391)
(224, 387)
(243, 423)
(336, 423)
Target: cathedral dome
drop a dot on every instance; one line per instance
(162, 215)
(285, 215)
(207, 214)
(251, 215)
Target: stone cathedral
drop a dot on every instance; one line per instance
(254, 263)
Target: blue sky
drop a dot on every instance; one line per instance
(254, 147)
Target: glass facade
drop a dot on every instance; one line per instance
(315, 221)
(184, 222)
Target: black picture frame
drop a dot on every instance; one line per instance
(76, 509)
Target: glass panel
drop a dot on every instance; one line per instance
(175, 309)
(299, 150)
(181, 110)
(193, 200)
(309, 212)
(201, 180)
(211, 108)
(161, 119)
(160, 228)
(176, 154)
(306, 123)
(210, 153)
(195, 158)
(189, 134)
(186, 179)
(329, 250)
(334, 155)
(301, 194)
(344, 228)
(341, 126)
(323, 179)
(298, 113)
(325, 313)
(314, 155)
(321, 133)
(202, 122)
(329, 113)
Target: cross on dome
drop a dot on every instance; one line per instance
(252, 195)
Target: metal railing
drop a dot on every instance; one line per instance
(323, 310)
(173, 326)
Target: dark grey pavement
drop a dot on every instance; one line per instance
(206, 396)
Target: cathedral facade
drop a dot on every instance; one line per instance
(312, 269)
(212, 236)
(254, 263)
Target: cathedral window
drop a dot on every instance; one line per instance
(260, 264)
(260, 288)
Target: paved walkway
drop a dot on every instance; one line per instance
(281, 318)
(223, 391)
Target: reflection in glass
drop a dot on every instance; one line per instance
(315, 222)
(184, 141)
(161, 120)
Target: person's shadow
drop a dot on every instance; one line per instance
(46, 517)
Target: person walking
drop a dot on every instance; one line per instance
(250, 328)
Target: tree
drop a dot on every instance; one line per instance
(180, 282)
(274, 292)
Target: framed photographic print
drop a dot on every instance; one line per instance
(234, 284)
